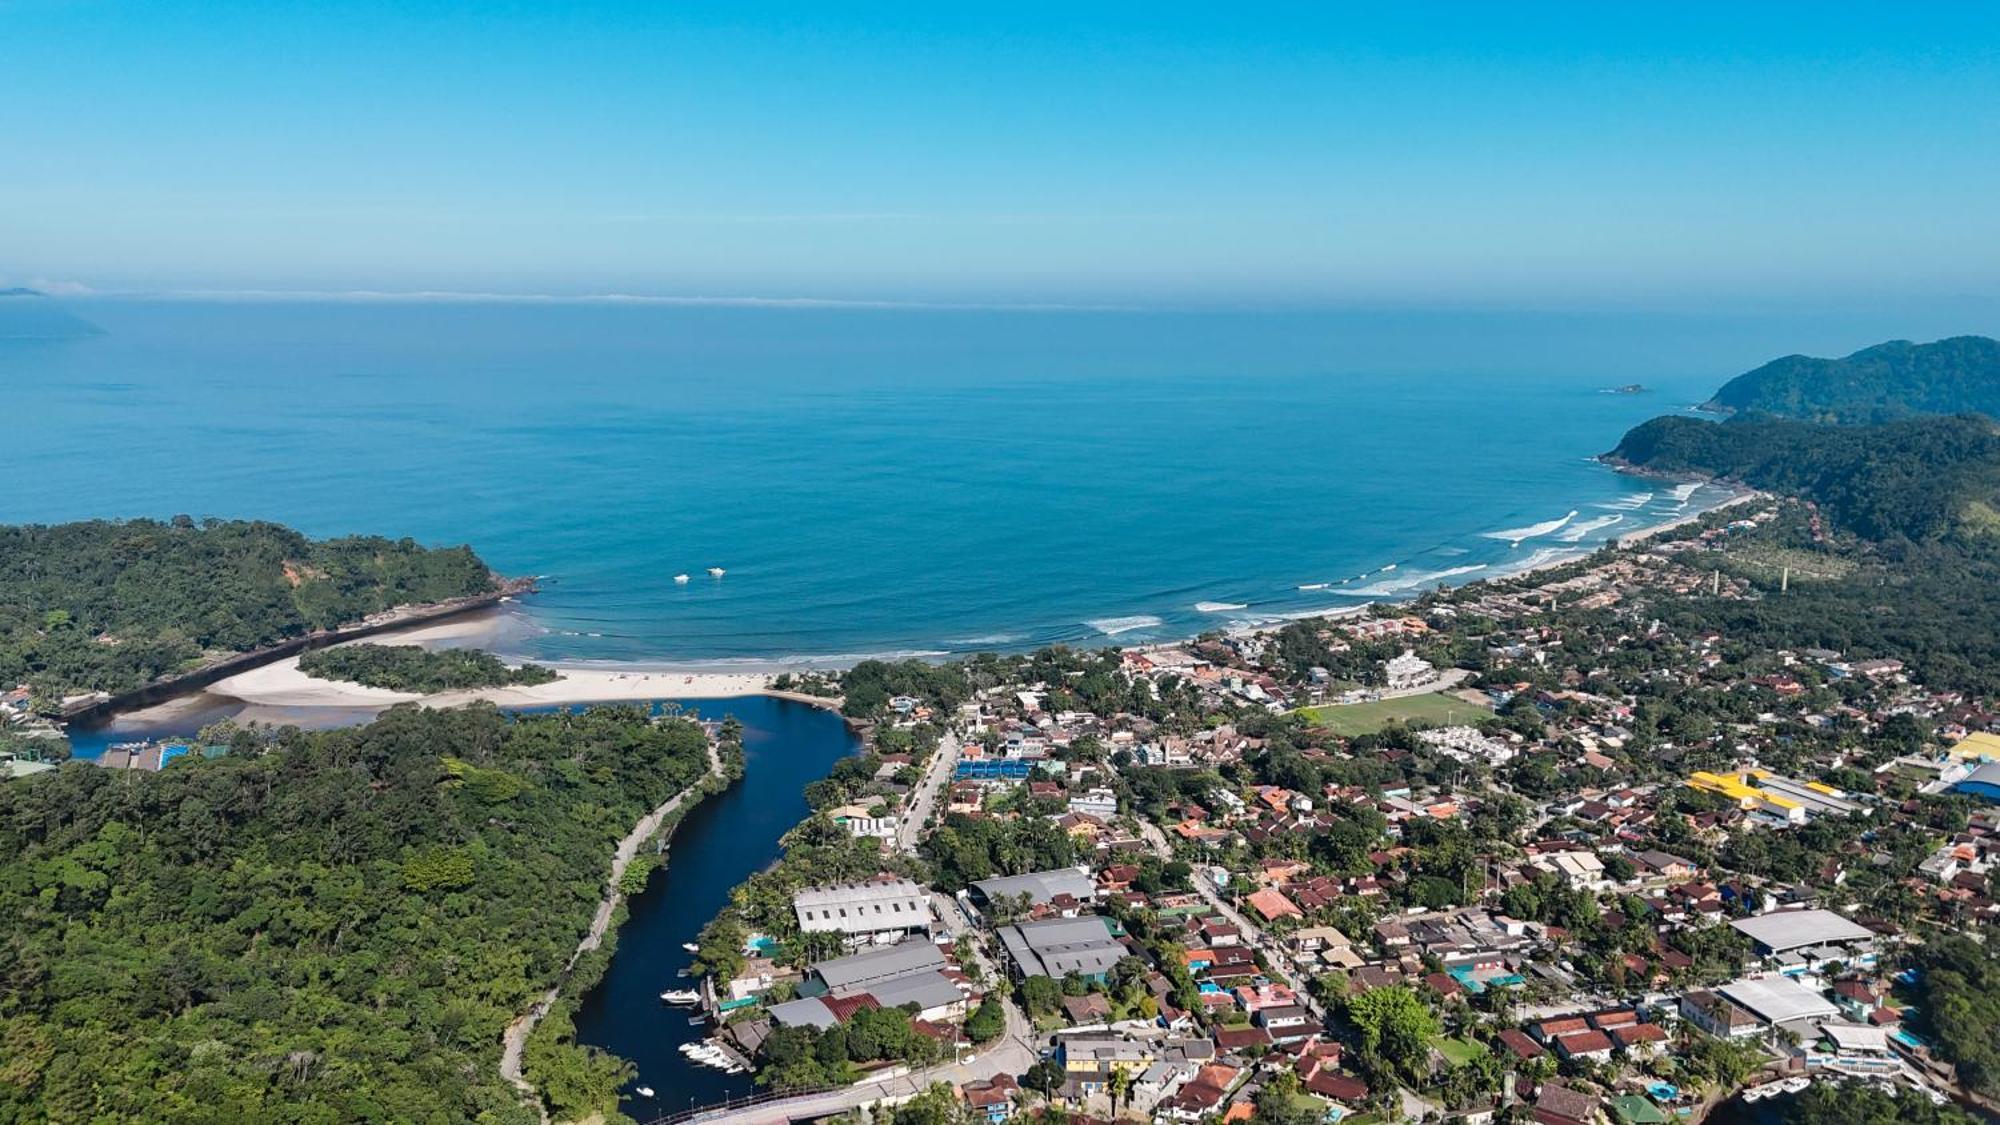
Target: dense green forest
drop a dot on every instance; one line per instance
(325, 927)
(1919, 479)
(409, 668)
(109, 605)
(1878, 384)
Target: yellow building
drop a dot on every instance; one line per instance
(1978, 746)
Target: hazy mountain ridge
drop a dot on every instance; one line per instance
(30, 314)
(1897, 379)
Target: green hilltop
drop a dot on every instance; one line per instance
(1898, 379)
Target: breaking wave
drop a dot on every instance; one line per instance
(1408, 581)
(1575, 532)
(1219, 607)
(1516, 535)
(1112, 626)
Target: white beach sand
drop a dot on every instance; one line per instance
(281, 684)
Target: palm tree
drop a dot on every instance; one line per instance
(1119, 1086)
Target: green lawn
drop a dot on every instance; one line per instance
(1367, 718)
(1457, 1052)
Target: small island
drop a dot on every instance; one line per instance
(1627, 389)
(422, 671)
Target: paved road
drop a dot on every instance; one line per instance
(923, 801)
(1013, 1053)
(1274, 952)
(515, 1039)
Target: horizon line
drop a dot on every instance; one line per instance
(468, 297)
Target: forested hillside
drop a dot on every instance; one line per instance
(334, 927)
(108, 605)
(1918, 479)
(1888, 381)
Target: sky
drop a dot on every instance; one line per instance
(1146, 153)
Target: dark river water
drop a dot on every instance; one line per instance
(719, 843)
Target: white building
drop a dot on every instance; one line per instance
(1100, 803)
(1465, 744)
(879, 910)
(1409, 671)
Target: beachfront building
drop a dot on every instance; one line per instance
(883, 909)
(1409, 672)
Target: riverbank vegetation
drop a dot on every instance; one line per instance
(111, 605)
(423, 671)
(329, 926)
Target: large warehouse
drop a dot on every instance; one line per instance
(1783, 931)
(1780, 1001)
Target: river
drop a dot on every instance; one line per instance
(719, 843)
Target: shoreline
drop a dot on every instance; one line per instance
(275, 687)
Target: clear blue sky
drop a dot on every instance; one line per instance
(1022, 151)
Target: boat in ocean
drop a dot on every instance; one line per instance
(715, 572)
(691, 947)
(681, 996)
(644, 1091)
(680, 579)
(1795, 1085)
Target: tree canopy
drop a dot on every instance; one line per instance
(409, 668)
(324, 927)
(110, 605)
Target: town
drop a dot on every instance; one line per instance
(1533, 849)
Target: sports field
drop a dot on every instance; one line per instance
(1367, 718)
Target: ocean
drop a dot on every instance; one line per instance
(875, 480)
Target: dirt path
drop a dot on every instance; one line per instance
(515, 1040)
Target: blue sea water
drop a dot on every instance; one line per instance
(874, 480)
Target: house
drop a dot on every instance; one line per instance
(1089, 1060)
(1557, 1104)
(1717, 1016)
(1273, 905)
(993, 1099)
(1584, 1045)
(879, 910)
(1100, 803)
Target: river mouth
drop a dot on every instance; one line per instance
(718, 844)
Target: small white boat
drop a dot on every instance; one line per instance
(683, 996)
(1794, 1085)
(715, 572)
(680, 579)
(644, 1091)
(691, 947)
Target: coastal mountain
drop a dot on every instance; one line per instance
(1916, 479)
(1888, 381)
(109, 605)
(30, 314)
